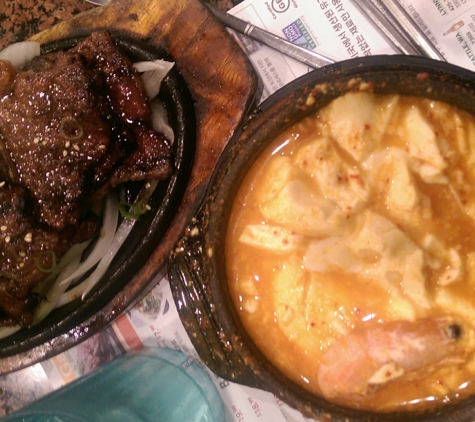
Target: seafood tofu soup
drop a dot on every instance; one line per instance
(350, 252)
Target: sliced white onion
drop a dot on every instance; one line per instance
(20, 53)
(70, 262)
(151, 65)
(8, 331)
(109, 225)
(74, 253)
(153, 73)
(65, 296)
(120, 236)
(160, 120)
(71, 294)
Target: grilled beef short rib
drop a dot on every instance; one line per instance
(73, 125)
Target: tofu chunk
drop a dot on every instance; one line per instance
(423, 147)
(331, 254)
(358, 121)
(301, 209)
(401, 195)
(338, 181)
(270, 237)
(397, 259)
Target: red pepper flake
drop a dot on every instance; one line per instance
(422, 76)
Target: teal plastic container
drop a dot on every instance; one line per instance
(151, 385)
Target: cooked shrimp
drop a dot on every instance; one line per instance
(363, 360)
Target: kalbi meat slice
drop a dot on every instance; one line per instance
(54, 134)
(17, 232)
(151, 156)
(28, 249)
(148, 161)
(119, 79)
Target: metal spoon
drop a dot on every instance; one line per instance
(303, 55)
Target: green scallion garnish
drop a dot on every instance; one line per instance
(53, 261)
(132, 211)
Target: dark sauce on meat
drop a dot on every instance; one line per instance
(73, 125)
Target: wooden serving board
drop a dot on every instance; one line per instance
(222, 83)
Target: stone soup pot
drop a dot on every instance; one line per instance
(197, 264)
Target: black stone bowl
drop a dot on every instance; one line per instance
(71, 323)
(197, 264)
